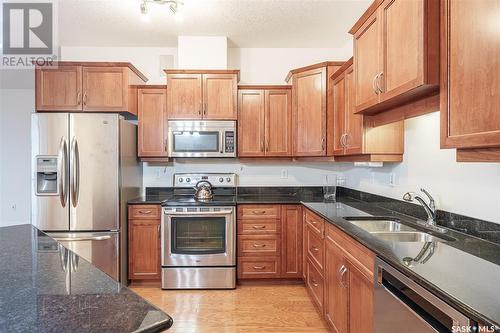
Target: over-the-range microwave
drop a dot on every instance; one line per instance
(201, 138)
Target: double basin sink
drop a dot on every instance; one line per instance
(394, 231)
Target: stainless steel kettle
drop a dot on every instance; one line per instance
(203, 190)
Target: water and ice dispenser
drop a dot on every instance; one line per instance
(46, 175)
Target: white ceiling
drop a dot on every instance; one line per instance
(247, 23)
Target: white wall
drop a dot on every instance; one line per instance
(249, 174)
(202, 52)
(149, 60)
(16, 106)
(271, 65)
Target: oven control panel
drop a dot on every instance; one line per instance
(216, 179)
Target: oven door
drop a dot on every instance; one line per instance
(199, 238)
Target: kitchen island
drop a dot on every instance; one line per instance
(47, 288)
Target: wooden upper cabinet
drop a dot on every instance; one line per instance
(264, 121)
(251, 123)
(202, 94)
(105, 89)
(396, 54)
(88, 86)
(184, 100)
(220, 96)
(367, 49)
(470, 75)
(59, 88)
(339, 114)
(354, 122)
(358, 137)
(309, 113)
(152, 122)
(278, 119)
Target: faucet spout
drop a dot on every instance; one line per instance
(430, 208)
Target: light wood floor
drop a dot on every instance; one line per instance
(249, 309)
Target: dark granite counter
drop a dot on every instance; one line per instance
(464, 272)
(47, 288)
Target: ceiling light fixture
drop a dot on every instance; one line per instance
(173, 5)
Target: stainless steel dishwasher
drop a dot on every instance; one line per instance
(402, 305)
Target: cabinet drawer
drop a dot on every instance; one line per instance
(261, 245)
(258, 267)
(357, 254)
(259, 212)
(315, 285)
(315, 247)
(144, 212)
(261, 226)
(317, 223)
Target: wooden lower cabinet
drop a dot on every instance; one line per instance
(269, 241)
(144, 243)
(336, 292)
(291, 241)
(342, 289)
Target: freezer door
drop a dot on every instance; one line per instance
(99, 248)
(49, 176)
(94, 172)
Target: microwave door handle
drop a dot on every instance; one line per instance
(222, 143)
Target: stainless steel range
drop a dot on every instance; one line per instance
(199, 235)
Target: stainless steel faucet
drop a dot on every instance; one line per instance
(430, 208)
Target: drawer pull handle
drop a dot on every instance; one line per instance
(258, 212)
(259, 245)
(314, 283)
(315, 249)
(259, 227)
(145, 212)
(259, 267)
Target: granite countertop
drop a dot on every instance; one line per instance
(464, 272)
(47, 288)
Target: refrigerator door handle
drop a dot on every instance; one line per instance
(75, 172)
(62, 171)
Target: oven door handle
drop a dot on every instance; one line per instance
(222, 213)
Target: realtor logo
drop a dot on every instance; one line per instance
(27, 28)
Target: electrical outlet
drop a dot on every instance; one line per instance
(392, 179)
(284, 174)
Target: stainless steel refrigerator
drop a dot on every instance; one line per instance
(85, 169)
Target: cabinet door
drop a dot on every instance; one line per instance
(309, 113)
(105, 89)
(339, 114)
(304, 245)
(144, 249)
(470, 91)
(278, 119)
(184, 99)
(360, 300)
(354, 122)
(220, 96)
(336, 292)
(152, 122)
(403, 46)
(291, 241)
(251, 123)
(59, 88)
(367, 62)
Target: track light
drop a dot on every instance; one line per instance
(173, 5)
